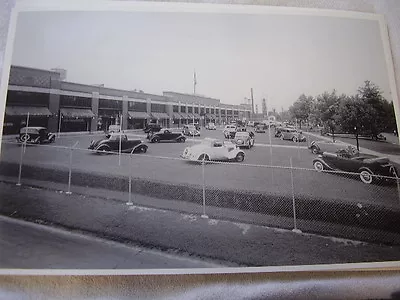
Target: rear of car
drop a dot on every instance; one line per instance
(244, 139)
(229, 131)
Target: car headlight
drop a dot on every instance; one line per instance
(240, 141)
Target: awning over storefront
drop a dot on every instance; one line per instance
(138, 115)
(24, 110)
(190, 116)
(196, 116)
(77, 113)
(160, 115)
(211, 116)
(184, 115)
(176, 115)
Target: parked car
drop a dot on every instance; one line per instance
(152, 127)
(368, 167)
(114, 128)
(190, 130)
(244, 139)
(213, 149)
(229, 131)
(167, 135)
(35, 135)
(111, 144)
(315, 148)
(291, 134)
(196, 125)
(260, 129)
(211, 126)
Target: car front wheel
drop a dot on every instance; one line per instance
(366, 176)
(318, 166)
(239, 157)
(156, 140)
(204, 157)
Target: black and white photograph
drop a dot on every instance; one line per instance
(188, 139)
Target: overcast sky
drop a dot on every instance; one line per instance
(280, 57)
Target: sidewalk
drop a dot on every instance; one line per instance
(27, 245)
(393, 158)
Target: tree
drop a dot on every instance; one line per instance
(376, 109)
(302, 108)
(327, 106)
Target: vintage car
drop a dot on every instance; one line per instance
(211, 126)
(291, 134)
(244, 139)
(166, 134)
(213, 149)
(152, 127)
(190, 130)
(111, 144)
(229, 131)
(315, 148)
(35, 135)
(368, 167)
(260, 128)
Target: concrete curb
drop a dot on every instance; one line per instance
(307, 208)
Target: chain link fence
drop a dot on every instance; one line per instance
(284, 195)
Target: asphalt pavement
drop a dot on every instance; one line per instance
(259, 172)
(27, 245)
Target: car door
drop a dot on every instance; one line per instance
(113, 142)
(218, 151)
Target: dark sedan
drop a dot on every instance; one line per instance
(369, 168)
(167, 135)
(112, 144)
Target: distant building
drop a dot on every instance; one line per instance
(62, 72)
(264, 107)
(64, 106)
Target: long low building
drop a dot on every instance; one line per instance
(59, 105)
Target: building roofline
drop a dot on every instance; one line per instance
(191, 95)
(34, 69)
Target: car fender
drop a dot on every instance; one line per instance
(52, 135)
(365, 169)
(323, 162)
(138, 146)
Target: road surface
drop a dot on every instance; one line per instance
(31, 246)
(260, 178)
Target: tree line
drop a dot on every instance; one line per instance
(365, 113)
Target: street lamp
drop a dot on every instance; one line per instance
(358, 147)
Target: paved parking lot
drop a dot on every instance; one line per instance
(254, 174)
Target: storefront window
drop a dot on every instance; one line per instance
(202, 111)
(190, 109)
(183, 108)
(158, 108)
(137, 106)
(27, 98)
(196, 109)
(110, 104)
(72, 101)
(175, 108)
(207, 110)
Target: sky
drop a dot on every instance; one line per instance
(279, 56)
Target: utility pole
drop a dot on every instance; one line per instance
(252, 104)
(194, 83)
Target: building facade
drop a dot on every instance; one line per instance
(65, 106)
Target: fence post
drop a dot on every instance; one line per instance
(204, 215)
(398, 187)
(130, 203)
(270, 152)
(23, 149)
(70, 168)
(293, 199)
